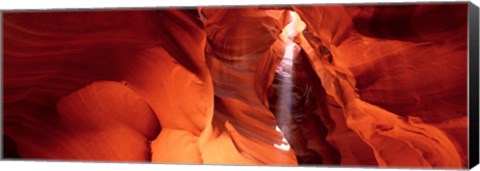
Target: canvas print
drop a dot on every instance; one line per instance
(352, 85)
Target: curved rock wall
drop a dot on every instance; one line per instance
(242, 62)
(394, 85)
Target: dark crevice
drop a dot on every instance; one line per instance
(9, 148)
(302, 112)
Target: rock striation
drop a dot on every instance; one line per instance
(342, 85)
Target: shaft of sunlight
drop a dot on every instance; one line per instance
(285, 69)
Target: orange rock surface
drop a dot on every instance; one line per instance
(326, 84)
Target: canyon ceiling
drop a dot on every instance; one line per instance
(350, 85)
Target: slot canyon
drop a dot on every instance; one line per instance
(334, 85)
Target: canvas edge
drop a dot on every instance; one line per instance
(473, 63)
(1, 83)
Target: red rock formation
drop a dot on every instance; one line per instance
(50, 55)
(242, 62)
(387, 81)
(367, 85)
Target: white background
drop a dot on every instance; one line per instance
(86, 4)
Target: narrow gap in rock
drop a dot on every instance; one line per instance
(298, 104)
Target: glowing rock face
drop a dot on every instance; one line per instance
(370, 85)
(390, 90)
(240, 60)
